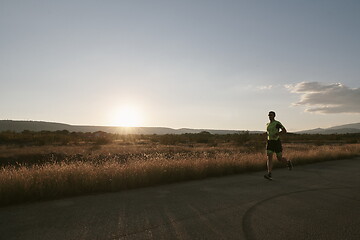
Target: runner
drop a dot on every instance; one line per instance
(274, 144)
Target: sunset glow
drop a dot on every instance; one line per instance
(127, 116)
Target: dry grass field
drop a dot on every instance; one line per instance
(32, 173)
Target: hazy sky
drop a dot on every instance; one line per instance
(199, 63)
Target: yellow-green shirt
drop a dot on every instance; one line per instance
(272, 129)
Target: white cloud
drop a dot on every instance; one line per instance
(327, 98)
(268, 87)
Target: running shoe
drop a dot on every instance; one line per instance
(268, 176)
(289, 165)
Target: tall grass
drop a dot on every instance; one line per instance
(60, 179)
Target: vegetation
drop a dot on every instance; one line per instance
(47, 165)
(31, 138)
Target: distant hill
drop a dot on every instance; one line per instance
(347, 126)
(341, 129)
(19, 126)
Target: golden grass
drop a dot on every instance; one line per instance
(54, 180)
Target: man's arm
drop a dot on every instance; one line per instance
(283, 130)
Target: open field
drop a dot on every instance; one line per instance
(31, 172)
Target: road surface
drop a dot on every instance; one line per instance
(315, 201)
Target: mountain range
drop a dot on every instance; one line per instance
(19, 126)
(342, 129)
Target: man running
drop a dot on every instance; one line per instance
(274, 144)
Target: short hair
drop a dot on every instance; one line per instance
(272, 113)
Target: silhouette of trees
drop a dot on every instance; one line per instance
(64, 137)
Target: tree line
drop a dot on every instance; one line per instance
(64, 137)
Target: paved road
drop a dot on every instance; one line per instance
(316, 201)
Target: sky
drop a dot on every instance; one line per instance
(209, 64)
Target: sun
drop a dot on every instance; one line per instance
(127, 116)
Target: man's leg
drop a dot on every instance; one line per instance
(280, 158)
(269, 165)
(269, 162)
(284, 160)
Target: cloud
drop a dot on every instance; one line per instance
(327, 98)
(268, 87)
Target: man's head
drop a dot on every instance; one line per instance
(271, 115)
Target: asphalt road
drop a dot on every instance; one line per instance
(315, 201)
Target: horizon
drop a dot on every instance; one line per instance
(181, 64)
(215, 129)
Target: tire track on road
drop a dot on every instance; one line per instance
(246, 222)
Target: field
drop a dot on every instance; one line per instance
(48, 165)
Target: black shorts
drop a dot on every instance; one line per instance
(274, 146)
